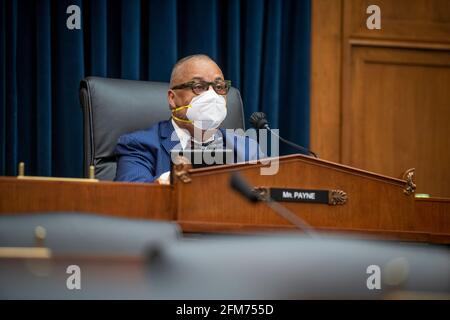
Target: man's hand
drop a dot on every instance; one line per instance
(164, 178)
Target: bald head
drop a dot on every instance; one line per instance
(191, 67)
(197, 67)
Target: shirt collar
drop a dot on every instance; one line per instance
(185, 136)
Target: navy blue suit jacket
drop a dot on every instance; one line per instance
(142, 156)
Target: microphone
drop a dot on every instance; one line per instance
(259, 121)
(239, 184)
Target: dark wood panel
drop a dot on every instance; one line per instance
(376, 207)
(374, 202)
(375, 234)
(433, 213)
(133, 200)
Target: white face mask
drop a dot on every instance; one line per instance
(206, 111)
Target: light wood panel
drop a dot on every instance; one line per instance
(398, 114)
(392, 107)
(401, 20)
(325, 112)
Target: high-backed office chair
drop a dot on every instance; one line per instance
(112, 107)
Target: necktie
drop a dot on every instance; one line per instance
(215, 143)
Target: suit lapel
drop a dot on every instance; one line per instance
(166, 132)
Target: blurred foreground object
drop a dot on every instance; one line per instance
(81, 233)
(296, 267)
(274, 266)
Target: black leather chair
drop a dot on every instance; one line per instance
(112, 107)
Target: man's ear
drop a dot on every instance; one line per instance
(171, 99)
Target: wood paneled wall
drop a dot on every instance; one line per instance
(380, 99)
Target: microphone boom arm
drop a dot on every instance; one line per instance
(259, 121)
(296, 146)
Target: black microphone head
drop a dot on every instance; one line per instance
(258, 120)
(240, 185)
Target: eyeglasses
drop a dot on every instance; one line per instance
(198, 86)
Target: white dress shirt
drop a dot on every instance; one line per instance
(185, 140)
(185, 137)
